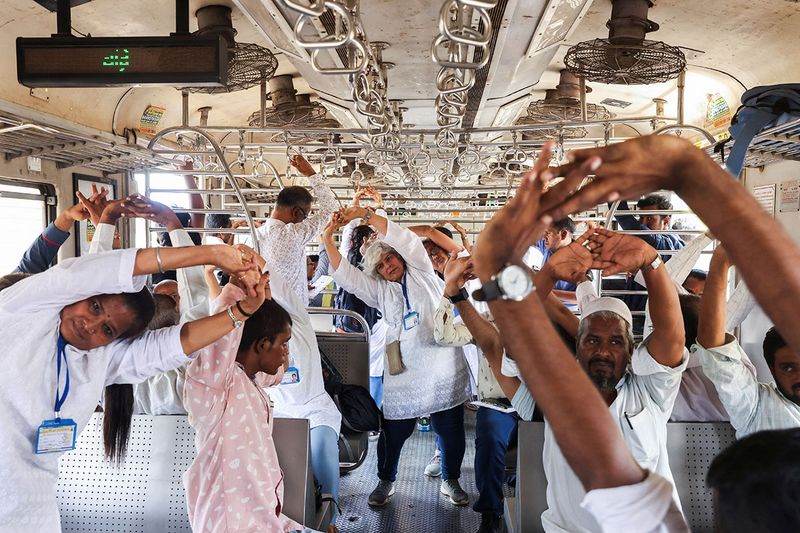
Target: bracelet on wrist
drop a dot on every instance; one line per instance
(245, 313)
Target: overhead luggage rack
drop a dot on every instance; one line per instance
(22, 137)
(781, 143)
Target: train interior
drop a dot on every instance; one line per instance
(441, 106)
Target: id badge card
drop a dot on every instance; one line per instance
(291, 375)
(56, 435)
(411, 320)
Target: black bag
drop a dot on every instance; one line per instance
(358, 409)
(359, 412)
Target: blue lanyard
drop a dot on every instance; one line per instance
(405, 292)
(60, 399)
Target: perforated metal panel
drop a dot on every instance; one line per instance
(146, 493)
(95, 496)
(691, 448)
(349, 353)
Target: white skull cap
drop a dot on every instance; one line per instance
(590, 303)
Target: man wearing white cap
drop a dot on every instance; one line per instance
(639, 384)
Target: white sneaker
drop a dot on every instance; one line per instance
(452, 489)
(434, 468)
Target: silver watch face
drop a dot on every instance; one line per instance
(515, 282)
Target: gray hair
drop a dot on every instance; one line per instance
(373, 254)
(583, 326)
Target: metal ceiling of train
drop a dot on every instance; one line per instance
(727, 44)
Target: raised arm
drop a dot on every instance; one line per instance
(198, 220)
(347, 276)
(439, 239)
(587, 435)
(755, 242)
(617, 253)
(711, 323)
(326, 203)
(41, 253)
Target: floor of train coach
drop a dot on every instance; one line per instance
(417, 505)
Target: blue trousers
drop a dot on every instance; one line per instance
(325, 460)
(494, 431)
(376, 390)
(449, 428)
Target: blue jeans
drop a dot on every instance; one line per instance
(449, 428)
(493, 433)
(325, 460)
(376, 389)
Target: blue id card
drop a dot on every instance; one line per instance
(291, 375)
(56, 435)
(411, 320)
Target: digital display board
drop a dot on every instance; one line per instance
(120, 61)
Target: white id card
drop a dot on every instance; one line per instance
(411, 320)
(56, 435)
(291, 375)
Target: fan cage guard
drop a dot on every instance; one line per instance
(309, 115)
(601, 61)
(250, 65)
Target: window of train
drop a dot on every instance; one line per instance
(172, 199)
(23, 216)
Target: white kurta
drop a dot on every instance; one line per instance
(30, 318)
(283, 248)
(162, 394)
(436, 377)
(645, 396)
(752, 406)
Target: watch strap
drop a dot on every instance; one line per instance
(489, 291)
(460, 297)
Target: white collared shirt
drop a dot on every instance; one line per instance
(645, 507)
(29, 325)
(752, 406)
(645, 396)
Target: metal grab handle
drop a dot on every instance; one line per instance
(343, 312)
(477, 38)
(458, 63)
(359, 47)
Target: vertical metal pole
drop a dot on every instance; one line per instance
(64, 18)
(181, 17)
(185, 103)
(583, 98)
(146, 220)
(263, 109)
(681, 87)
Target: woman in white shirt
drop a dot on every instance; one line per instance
(66, 334)
(399, 280)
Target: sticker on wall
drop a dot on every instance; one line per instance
(790, 196)
(148, 124)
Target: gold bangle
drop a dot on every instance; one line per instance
(158, 261)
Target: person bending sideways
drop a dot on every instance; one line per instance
(752, 406)
(84, 318)
(238, 487)
(421, 377)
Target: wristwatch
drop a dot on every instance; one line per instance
(236, 322)
(513, 282)
(365, 218)
(654, 264)
(460, 297)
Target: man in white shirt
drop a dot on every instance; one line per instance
(752, 406)
(639, 386)
(615, 493)
(282, 242)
